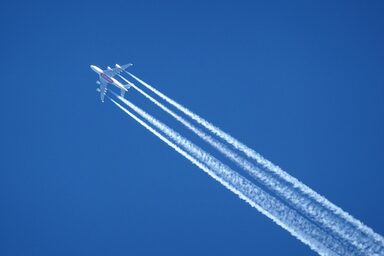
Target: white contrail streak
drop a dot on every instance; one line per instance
(299, 226)
(310, 209)
(325, 212)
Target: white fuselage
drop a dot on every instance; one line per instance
(106, 78)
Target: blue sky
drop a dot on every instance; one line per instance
(300, 82)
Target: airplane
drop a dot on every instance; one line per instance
(107, 77)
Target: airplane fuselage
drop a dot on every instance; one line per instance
(106, 78)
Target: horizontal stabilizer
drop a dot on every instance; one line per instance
(122, 93)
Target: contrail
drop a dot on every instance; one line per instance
(355, 231)
(299, 226)
(310, 209)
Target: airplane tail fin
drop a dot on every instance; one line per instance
(122, 93)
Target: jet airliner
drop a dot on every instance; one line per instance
(107, 77)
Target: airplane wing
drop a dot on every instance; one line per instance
(117, 70)
(103, 90)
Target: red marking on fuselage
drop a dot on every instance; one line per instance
(107, 78)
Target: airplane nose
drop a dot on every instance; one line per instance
(93, 67)
(96, 69)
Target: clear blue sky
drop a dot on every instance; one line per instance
(301, 82)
